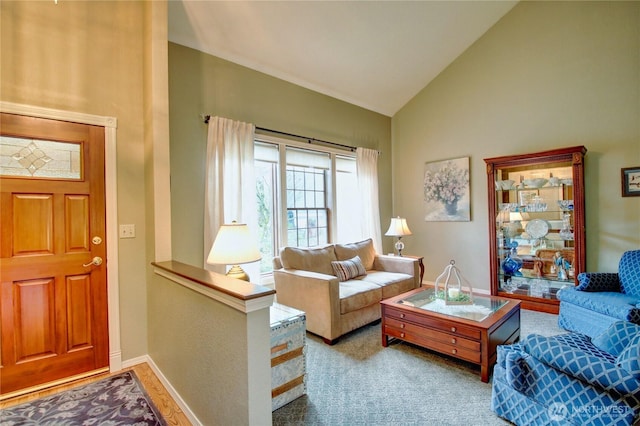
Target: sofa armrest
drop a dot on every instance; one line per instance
(277, 263)
(316, 294)
(598, 281)
(404, 265)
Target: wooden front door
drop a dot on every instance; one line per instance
(53, 300)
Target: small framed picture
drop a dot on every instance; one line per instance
(631, 182)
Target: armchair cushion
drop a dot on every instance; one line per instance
(598, 281)
(347, 269)
(573, 355)
(616, 338)
(629, 359)
(616, 305)
(363, 249)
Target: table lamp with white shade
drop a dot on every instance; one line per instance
(398, 228)
(234, 245)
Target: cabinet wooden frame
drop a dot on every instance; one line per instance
(573, 156)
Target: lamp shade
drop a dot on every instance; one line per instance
(234, 245)
(398, 227)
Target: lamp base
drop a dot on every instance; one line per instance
(238, 273)
(399, 246)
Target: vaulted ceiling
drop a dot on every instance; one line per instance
(374, 54)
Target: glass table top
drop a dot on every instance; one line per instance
(481, 308)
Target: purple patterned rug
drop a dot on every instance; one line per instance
(116, 400)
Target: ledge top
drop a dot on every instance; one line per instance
(235, 288)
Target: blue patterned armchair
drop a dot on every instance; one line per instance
(570, 379)
(602, 298)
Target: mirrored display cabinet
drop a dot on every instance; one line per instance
(536, 225)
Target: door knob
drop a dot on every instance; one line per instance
(95, 261)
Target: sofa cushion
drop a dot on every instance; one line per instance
(629, 359)
(392, 283)
(616, 305)
(617, 337)
(363, 249)
(357, 294)
(347, 269)
(317, 259)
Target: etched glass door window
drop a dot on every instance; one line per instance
(25, 158)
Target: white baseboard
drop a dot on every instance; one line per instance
(115, 361)
(174, 394)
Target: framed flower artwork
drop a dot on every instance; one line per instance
(446, 190)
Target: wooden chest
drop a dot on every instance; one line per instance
(288, 362)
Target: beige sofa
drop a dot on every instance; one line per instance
(305, 279)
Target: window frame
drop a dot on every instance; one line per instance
(281, 190)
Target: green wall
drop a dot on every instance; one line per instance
(548, 75)
(203, 84)
(87, 57)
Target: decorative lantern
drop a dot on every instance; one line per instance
(452, 292)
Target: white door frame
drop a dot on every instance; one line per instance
(110, 124)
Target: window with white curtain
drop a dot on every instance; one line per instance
(301, 203)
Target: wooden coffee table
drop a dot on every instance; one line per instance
(471, 333)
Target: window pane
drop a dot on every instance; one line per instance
(348, 225)
(302, 219)
(309, 182)
(28, 158)
(292, 238)
(312, 218)
(298, 180)
(319, 183)
(323, 237)
(290, 199)
(322, 218)
(299, 199)
(313, 237)
(265, 186)
(310, 199)
(302, 238)
(291, 219)
(289, 178)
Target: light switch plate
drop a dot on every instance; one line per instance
(128, 231)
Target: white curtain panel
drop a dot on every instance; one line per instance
(230, 187)
(367, 171)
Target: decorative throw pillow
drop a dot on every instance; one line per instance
(347, 269)
(598, 281)
(617, 337)
(629, 359)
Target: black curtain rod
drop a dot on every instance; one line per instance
(206, 118)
